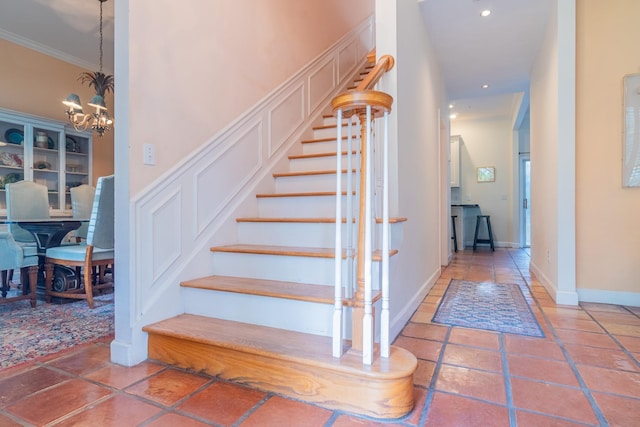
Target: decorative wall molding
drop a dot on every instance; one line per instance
(285, 118)
(192, 205)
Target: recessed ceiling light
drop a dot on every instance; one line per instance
(453, 115)
(485, 13)
(450, 106)
(485, 86)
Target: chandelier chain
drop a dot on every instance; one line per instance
(101, 35)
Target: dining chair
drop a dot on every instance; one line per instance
(26, 200)
(97, 251)
(12, 257)
(81, 203)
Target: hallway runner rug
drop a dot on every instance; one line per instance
(490, 306)
(28, 333)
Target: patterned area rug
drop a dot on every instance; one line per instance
(26, 333)
(491, 306)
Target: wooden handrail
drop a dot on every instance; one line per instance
(384, 64)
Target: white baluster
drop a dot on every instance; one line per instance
(367, 320)
(337, 313)
(349, 217)
(384, 315)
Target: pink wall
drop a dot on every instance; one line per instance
(196, 66)
(34, 83)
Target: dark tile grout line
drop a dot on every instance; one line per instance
(507, 377)
(610, 335)
(587, 392)
(507, 382)
(434, 376)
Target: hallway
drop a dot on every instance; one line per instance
(586, 371)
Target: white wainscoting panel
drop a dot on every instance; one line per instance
(321, 83)
(167, 242)
(347, 59)
(285, 118)
(219, 179)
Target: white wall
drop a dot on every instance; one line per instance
(488, 142)
(553, 157)
(419, 96)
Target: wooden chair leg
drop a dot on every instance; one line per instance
(33, 285)
(88, 285)
(88, 269)
(48, 272)
(5, 283)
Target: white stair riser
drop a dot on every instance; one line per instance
(321, 163)
(309, 183)
(326, 121)
(331, 121)
(327, 146)
(331, 132)
(301, 316)
(314, 271)
(300, 207)
(314, 235)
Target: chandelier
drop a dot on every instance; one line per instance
(99, 120)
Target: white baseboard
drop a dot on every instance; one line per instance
(559, 296)
(609, 297)
(401, 319)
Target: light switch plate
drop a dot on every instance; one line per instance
(149, 154)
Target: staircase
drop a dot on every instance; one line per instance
(274, 301)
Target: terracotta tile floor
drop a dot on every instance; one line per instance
(586, 371)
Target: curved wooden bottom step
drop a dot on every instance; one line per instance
(290, 363)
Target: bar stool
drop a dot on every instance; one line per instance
(454, 236)
(489, 241)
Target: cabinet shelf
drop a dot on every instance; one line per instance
(47, 165)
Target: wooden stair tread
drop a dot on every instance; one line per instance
(308, 173)
(270, 288)
(333, 126)
(329, 139)
(305, 194)
(289, 251)
(312, 220)
(316, 155)
(281, 344)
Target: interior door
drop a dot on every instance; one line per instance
(525, 200)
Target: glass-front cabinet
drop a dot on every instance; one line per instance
(46, 152)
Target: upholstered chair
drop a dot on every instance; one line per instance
(12, 258)
(26, 200)
(96, 251)
(81, 203)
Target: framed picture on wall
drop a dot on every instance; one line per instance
(486, 174)
(631, 130)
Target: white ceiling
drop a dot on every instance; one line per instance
(497, 50)
(66, 29)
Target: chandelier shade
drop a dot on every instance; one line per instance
(100, 120)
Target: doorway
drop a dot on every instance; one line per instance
(525, 200)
